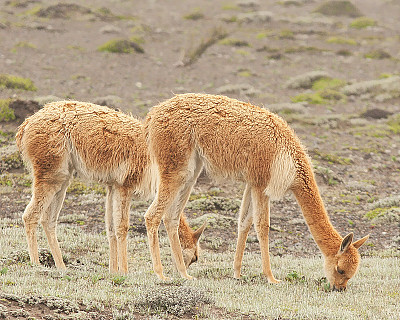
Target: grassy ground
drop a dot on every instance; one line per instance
(87, 288)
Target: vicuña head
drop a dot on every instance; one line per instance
(99, 144)
(234, 139)
(343, 265)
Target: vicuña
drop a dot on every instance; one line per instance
(99, 144)
(234, 139)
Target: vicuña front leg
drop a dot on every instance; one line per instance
(49, 223)
(244, 225)
(153, 218)
(262, 225)
(42, 196)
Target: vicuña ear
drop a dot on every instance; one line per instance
(347, 240)
(199, 231)
(360, 242)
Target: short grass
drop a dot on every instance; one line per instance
(373, 294)
(363, 22)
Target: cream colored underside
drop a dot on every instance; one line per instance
(283, 173)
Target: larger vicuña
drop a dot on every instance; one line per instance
(237, 140)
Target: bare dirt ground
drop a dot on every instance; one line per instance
(354, 143)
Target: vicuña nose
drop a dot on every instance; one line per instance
(338, 289)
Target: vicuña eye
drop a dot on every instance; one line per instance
(340, 271)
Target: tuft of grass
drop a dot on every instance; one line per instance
(342, 40)
(286, 34)
(377, 54)
(79, 187)
(118, 280)
(362, 22)
(121, 46)
(14, 82)
(195, 53)
(328, 83)
(312, 98)
(332, 158)
(245, 73)
(6, 113)
(195, 15)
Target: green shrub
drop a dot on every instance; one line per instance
(14, 82)
(6, 113)
(121, 46)
(362, 22)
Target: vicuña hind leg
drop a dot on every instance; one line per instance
(262, 225)
(112, 238)
(121, 204)
(49, 223)
(244, 225)
(42, 197)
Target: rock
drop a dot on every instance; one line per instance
(256, 17)
(243, 88)
(110, 29)
(42, 100)
(389, 85)
(109, 101)
(376, 113)
(305, 81)
(23, 108)
(339, 8)
(287, 108)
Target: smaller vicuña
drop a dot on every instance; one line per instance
(99, 144)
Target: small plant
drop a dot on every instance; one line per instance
(3, 271)
(362, 22)
(6, 113)
(121, 46)
(118, 280)
(14, 82)
(294, 276)
(323, 282)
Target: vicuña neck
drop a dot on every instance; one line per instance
(314, 212)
